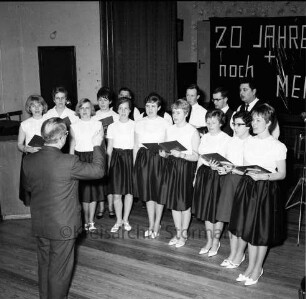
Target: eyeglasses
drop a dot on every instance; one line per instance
(238, 124)
(66, 133)
(213, 100)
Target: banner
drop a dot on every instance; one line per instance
(270, 50)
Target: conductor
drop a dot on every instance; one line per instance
(53, 178)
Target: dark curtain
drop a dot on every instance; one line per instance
(139, 47)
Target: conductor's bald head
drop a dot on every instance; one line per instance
(53, 130)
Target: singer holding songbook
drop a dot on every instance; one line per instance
(36, 107)
(90, 191)
(207, 182)
(234, 153)
(148, 165)
(177, 189)
(257, 212)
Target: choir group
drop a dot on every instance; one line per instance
(183, 181)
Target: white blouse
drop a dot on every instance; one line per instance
(264, 152)
(213, 144)
(151, 130)
(66, 113)
(84, 131)
(183, 135)
(31, 127)
(122, 134)
(234, 150)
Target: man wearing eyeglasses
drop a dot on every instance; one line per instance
(220, 98)
(52, 178)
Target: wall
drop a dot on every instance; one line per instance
(26, 25)
(194, 11)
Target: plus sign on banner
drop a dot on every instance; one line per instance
(270, 50)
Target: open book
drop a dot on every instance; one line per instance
(36, 141)
(242, 169)
(166, 146)
(217, 157)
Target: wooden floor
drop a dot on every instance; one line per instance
(126, 265)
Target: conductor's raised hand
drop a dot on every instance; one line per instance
(97, 138)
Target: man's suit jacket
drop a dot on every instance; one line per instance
(53, 179)
(227, 126)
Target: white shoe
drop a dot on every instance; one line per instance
(242, 277)
(115, 228)
(91, 227)
(127, 226)
(173, 241)
(148, 233)
(86, 226)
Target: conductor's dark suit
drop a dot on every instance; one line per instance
(53, 178)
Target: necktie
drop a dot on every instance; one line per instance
(246, 106)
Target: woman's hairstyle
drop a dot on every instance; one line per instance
(79, 105)
(267, 112)
(35, 98)
(53, 129)
(127, 90)
(154, 97)
(217, 113)
(245, 116)
(107, 93)
(181, 104)
(124, 100)
(59, 89)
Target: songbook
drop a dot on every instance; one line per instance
(202, 130)
(252, 168)
(166, 146)
(67, 122)
(107, 121)
(36, 141)
(217, 157)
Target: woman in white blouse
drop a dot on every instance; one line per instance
(60, 98)
(36, 107)
(177, 189)
(149, 166)
(90, 191)
(120, 146)
(234, 153)
(207, 182)
(257, 213)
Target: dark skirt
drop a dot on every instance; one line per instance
(24, 195)
(121, 172)
(147, 175)
(206, 194)
(89, 190)
(176, 190)
(226, 198)
(258, 213)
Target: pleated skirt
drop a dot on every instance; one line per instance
(121, 172)
(147, 175)
(226, 198)
(258, 213)
(89, 190)
(176, 190)
(206, 194)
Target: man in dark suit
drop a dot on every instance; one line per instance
(53, 178)
(248, 95)
(220, 99)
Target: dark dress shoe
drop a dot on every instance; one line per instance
(99, 215)
(111, 214)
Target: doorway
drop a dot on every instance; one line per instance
(57, 67)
